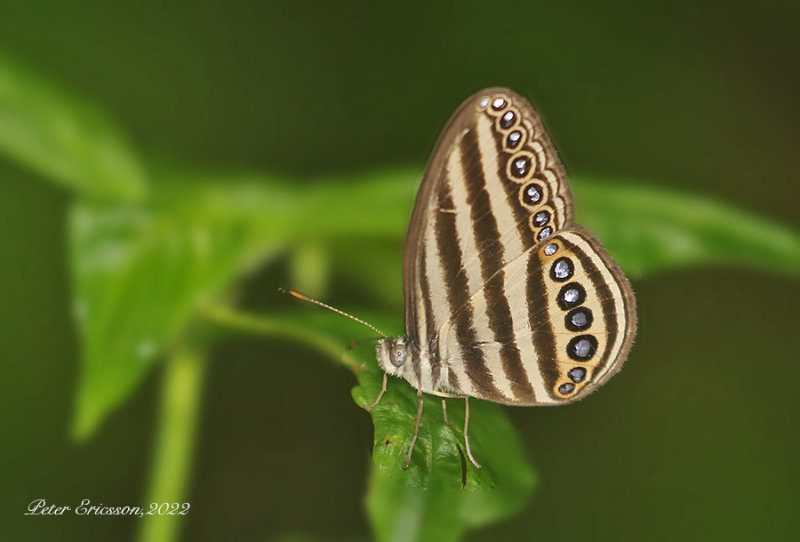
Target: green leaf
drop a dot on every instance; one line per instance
(64, 138)
(441, 494)
(140, 276)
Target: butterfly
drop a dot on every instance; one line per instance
(506, 299)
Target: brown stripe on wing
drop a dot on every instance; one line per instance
(542, 329)
(458, 295)
(491, 261)
(454, 385)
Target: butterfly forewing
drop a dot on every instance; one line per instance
(481, 300)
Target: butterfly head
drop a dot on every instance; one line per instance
(394, 355)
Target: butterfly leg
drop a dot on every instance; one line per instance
(383, 390)
(444, 412)
(416, 429)
(466, 432)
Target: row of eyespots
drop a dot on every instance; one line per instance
(578, 318)
(521, 165)
(507, 119)
(532, 195)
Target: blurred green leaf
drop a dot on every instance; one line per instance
(139, 277)
(373, 205)
(646, 229)
(64, 138)
(309, 269)
(649, 229)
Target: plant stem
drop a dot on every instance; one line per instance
(275, 327)
(172, 456)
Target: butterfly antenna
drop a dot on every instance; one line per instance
(363, 341)
(298, 295)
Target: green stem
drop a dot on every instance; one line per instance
(274, 327)
(172, 458)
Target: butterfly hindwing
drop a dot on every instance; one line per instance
(570, 323)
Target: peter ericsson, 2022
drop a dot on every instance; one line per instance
(40, 507)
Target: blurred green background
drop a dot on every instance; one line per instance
(696, 439)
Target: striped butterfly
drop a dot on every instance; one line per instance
(506, 299)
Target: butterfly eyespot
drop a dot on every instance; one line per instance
(544, 233)
(499, 103)
(398, 356)
(483, 103)
(541, 218)
(582, 347)
(513, 140)
(570, 296)
(578, 319)
(551, 249)
(508, 119)
(566, 388)
(577, 374)
(562, 269)
(521, 165)
(532, 194)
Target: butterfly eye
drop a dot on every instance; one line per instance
(398, 356)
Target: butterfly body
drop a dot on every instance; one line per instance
(506, 299)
